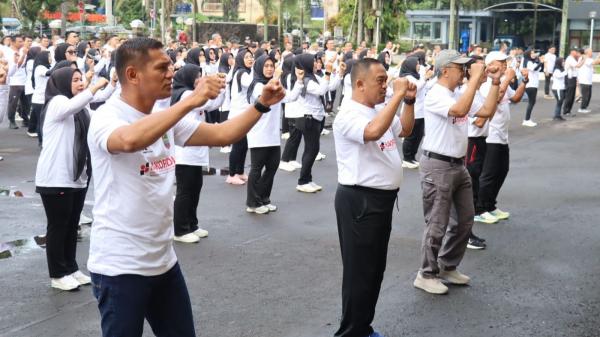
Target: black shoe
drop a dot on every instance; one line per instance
(475, 244)
(559, 119)
(13, 126)
(475, 237)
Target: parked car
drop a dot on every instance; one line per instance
(510, 40)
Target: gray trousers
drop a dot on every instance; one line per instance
(445, 185)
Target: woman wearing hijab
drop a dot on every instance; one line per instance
(287, 66)
(238, 88)
(82, 49)
(347, 81)
(212, 61)
(293, 113)
(313, 112)
(65, 51)
(411, 70)
(31, 55)
(190, 160)
(193, 56)
(532, 63)
(264, 140)
(385, 59)
(39, 78)
(226, 64)
(63, 171)
(558, 87)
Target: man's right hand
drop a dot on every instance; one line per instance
(477, 71)
(400, 85)
(209, 87)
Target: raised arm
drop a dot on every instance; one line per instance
(463, 105)
(382, 121)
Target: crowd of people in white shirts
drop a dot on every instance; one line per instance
(85, 103)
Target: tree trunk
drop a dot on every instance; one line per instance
(564, 28)
(535, 19)
(359, 35)
(279, 26)
(266, 20)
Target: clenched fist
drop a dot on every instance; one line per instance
(272, 93)
(494, 72)
(329, 67)
(209, 87)
(400, 86)
(477, 71)
(411, 91)
(299, 74)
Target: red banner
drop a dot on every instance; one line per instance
(74, 16)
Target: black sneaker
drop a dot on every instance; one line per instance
(559, 119)
(475, 237)
(475, 244)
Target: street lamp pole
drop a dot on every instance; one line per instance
(592, 17)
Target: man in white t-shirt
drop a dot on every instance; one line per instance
(549, 62)
(572, 64)
(135, 274)
(369, 176)
(585, 77)
(444, 179)
(16, 56)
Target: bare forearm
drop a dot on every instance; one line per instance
(382, 121)
(407, 120)
(463, 105)
(490, 104)
(225, 133)
(519, 93)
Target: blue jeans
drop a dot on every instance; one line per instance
(125, 300)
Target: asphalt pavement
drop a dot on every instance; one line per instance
(280, 274)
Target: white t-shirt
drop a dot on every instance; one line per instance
(374, 164)
(550, 60)
(421, 92)
(4, 89)
(195, 155)
(132, 231)
(41, 80)
(239, 99)
(478, 102)
(571, 66)
(586, 72)
(498, 126)
(444, 134)
(558, 79)
(28, 73)
(55, 164)
(534, 75)
(20, 74)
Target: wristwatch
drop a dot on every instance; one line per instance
(327, 73)
(260, 107)
(410, 101)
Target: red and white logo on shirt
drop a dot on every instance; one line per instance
(158, 167)
(390, 144)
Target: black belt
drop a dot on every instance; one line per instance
(444, 158)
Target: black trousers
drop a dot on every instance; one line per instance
(495, 170)
(237, 157)
(547, 84)
(189, 184)
(311, 131)
(410, 146)
(62, 213)
(223, 116)
(260, 183)
(586, 95)
(476, 150)
(285, 122)
(290, 150)
(16, 95)
(364, 221)
(560, 98)
(570, 95)
(34, 118)
(532, 97)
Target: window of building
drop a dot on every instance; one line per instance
(217, 6)
(422, 30)
(437, 31)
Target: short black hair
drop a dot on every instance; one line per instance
(134, 50)
(361, 67)
(14, 37)
(69, 32)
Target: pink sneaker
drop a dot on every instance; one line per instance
(243, 177)
(235, 180)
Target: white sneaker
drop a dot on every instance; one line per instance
(430, 285)
(258, 210)
(409, 164)
(454, 277)
(271, 207)
(81, 278)
(64, 283)
(187, 238)
(325, 132)
(529, 123)
(285, 136)
(317, 187)
(486, 217)
(32, 134)
(226, 149)
(320, 156)
(286, 166)
(18, 118)
(584, 111)
(295, 164)
(85, 220)
(201, 233)
(306, 188)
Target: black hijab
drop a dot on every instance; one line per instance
(81, 47)
(409, 67)
(349, 64)
(32, 53)
(306, 62)
(420, 55)
(193, 56)
(224, 66)
(184, 80)
(363, 54)
(207, 54)
(258, 53)
(273, 55)
(259, 76)
(61, 64)
(42, 59)
(298, 51)
(381, 59)
(105, 71)
(286, 69)
(240, 68)
(60, 84)
(60, 53)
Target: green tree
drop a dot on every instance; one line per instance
(128, 10)
(231, 10)
(31, 11)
